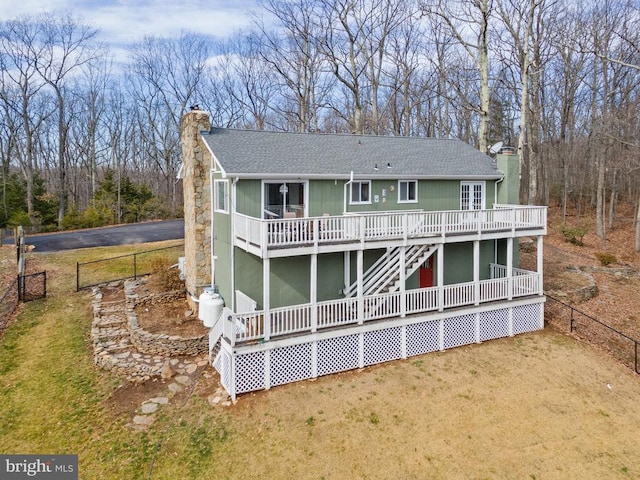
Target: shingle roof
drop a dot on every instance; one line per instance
(264, 154)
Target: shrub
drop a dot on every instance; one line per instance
(574, 235)
(168, 276)
(606, 258)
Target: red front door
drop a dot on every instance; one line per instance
(426, 273)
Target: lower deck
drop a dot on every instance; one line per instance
(257, 366)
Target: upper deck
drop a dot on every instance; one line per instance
(268, 238)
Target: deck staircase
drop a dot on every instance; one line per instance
(215, 335)
(384, 275)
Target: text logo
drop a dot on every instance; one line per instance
(49, 467)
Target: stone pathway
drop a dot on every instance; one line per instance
(113, 351)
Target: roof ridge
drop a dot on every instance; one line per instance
(330, 134)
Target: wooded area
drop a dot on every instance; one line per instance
(87, 138)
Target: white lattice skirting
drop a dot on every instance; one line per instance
(261, 366)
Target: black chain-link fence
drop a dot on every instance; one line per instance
(8, 303)
(595, 332)
(24, 288)
(134, 265)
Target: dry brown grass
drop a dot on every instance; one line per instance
(537, 406)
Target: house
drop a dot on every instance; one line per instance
(334, 252)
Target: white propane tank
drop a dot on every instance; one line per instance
(210, 306)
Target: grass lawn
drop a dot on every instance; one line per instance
(536, 406)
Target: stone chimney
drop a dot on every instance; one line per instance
(196, 164)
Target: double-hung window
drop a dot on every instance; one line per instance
(360, 192)
(407, 191)
(221, 196)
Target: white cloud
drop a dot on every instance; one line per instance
(124, 21)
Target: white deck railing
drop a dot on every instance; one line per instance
(295, 232)
(305, 318)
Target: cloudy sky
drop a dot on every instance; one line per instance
(124, 21)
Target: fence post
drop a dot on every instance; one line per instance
(571, 321)
(77, 276)
(135, 269)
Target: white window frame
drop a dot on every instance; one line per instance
(483, 195)
(408, 200)
(217, 186)
(360, 201)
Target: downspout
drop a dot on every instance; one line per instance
(232, 212)
(495, 200)
(344, 209)
(211, 209)
(347, 253)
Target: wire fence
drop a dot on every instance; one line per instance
(24, 288)
(8, 303)
(589, 329)
(122, 267)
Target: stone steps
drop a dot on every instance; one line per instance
(110, 321)
(115, 352)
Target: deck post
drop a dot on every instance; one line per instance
(266, 306)
(510, 268)
(540, 263)
(476, 272)
(313, 292)
(440, 259)
(347, 269)
(360, 289)
(403, 279)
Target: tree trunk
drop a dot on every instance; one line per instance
(638, 225)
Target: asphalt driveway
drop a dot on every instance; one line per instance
(106, 236)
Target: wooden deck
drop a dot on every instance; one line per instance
(270, 237)
(245, 327)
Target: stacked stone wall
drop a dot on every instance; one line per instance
(160, 344)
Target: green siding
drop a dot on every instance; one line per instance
(222, 250)
(330, 276)
(509, 188)
(249, 275)
(326, 196)
(433, 195)
(248, 198)
(502, 252)
(290, 278)
(458, 261)
(289, 281)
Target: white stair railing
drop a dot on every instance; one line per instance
(384, 275)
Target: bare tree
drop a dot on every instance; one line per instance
(294, 56)
(25, 104)
(63, 47)
(462, 17)
(167, 73)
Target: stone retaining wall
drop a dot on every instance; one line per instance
(578, 295)
(160, 344)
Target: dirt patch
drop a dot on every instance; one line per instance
(171, 317)
(112, 293)
(159, 311)
(128, 397)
